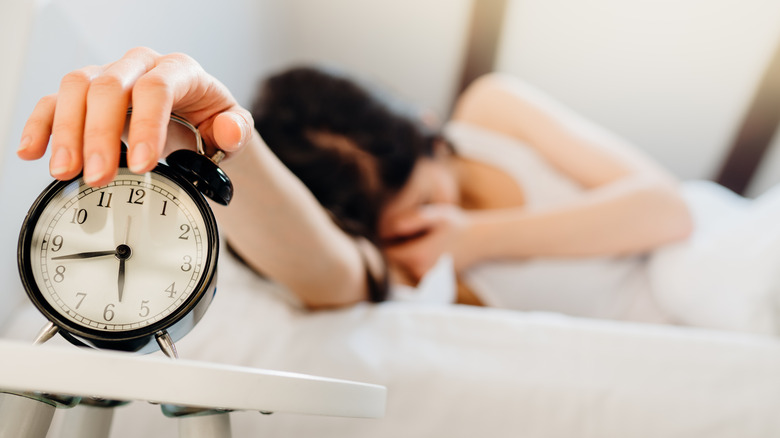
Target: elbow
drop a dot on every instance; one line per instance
(338, 288)
(672, 220)
(684, 228)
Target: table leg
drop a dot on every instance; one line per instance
(87, 421)
(216, 425)
(22, 416)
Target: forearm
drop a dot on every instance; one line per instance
(579, 149)
(280, 229)
(628, 217)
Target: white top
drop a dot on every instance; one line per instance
(124, 376)
(598, 287)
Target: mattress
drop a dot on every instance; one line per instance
(459, 371)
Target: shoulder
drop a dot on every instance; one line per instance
(487, 91)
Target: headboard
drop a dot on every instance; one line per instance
(756, 132)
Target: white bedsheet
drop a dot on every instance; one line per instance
(727, 275)
(455, 371)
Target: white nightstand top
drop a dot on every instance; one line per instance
(124, 376)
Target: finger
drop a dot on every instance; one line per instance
(414, 256)
(37, 129)
(107, 102)
(410, 224)
(231, 130)
(153, 97)
(68, 124)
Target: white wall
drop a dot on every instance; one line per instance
(673, 76)
(414, 47)
(236, 41)
(15, 25)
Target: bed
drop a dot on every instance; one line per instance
(460, 371)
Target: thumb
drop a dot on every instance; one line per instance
(232, 129)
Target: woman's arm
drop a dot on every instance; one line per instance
(273, 221)
(578, 148)
(277, 226)
(631, 204)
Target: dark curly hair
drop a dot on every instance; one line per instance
(352, 145)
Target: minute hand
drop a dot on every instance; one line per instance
(85, 255)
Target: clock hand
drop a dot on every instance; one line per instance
(121, 278)
(123, 252)
(85, 255)
(127, 232)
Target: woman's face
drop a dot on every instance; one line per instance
(433, 181)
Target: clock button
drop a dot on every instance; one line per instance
(203, 174)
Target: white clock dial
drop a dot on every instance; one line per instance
(122, 256)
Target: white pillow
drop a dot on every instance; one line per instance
(727, 275)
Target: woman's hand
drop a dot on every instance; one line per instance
(86, 117)
(417, 240)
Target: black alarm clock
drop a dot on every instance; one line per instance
(133, 261)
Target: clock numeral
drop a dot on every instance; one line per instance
(59, 274)
(165, 205)
(171, 290)
(186, 229)
(108, 312)
(79, 216)
(56, 243)
(107, 199)
(80, 295)
(136, 196)
(187, 265)
(144, 309)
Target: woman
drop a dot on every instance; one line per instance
(387, 176)
(416, 198)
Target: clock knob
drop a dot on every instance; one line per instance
(203, 173)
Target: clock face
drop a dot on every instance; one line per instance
(118, 258)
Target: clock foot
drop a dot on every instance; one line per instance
(46, 333)
(166, 344)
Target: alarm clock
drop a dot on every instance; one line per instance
(133, 261)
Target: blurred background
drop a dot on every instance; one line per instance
(679, 78)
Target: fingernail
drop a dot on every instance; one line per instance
(94, 168)
(25, 143)
(245, 129)
(60, 162)
(139, 157)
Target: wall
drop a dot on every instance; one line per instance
(15, 26)
(236, 42)
(413, 47)
(673, 76)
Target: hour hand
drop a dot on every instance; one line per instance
(85, 255)
(121, 279)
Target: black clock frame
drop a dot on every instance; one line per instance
(177, 324)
